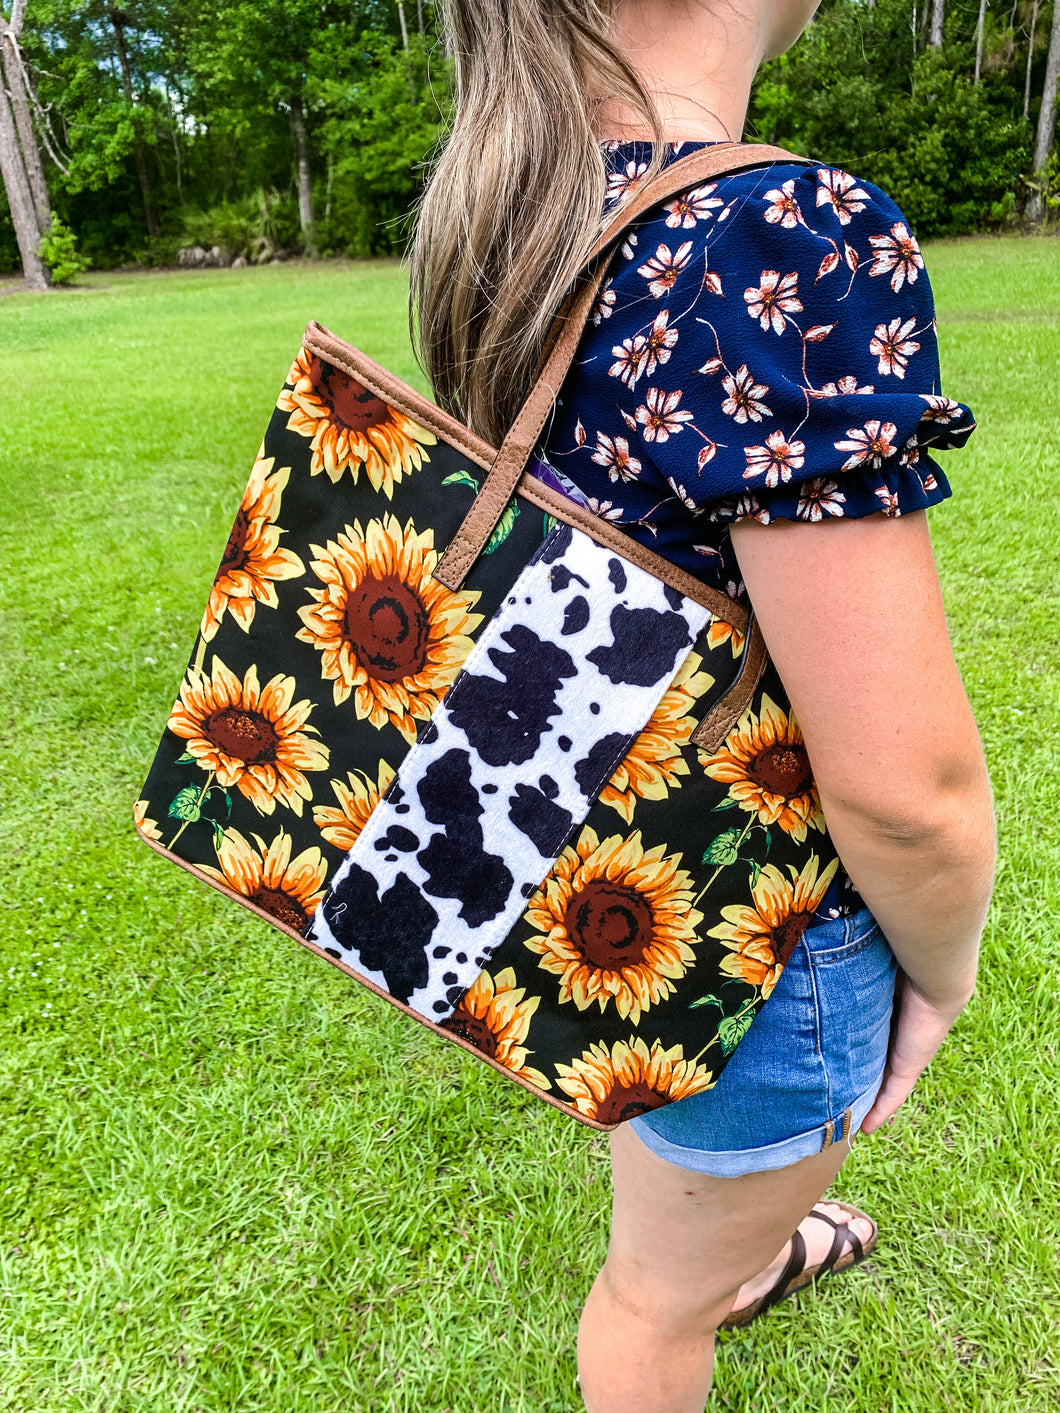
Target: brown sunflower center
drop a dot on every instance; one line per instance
(782, 769)
(243, 735)
(611, 924)
(280, 905)
(352, 405)
(235, 555)
(473, 1029)
(787, 935)
(626, 1101)
(388, 627)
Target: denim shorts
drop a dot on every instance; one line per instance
(807, 1071)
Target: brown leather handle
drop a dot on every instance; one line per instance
(563, 340)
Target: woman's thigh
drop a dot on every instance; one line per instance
(683, 1243)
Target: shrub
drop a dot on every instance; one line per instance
(58, 250)
(255, 226)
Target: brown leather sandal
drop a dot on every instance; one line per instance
(846, 1251)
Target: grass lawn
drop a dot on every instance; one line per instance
(229, 1179)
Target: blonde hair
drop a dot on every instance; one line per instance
(514, 204)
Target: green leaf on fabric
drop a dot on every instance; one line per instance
(461, 478)
(504, 528)
(707, 1001)
(550, 524)
(756, 869)
(725, 849)
(218, 834)
(733, 1029)
(185, 805)
(727, 804)
(186, 759)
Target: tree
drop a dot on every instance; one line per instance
(1043, 144)
(938, 23)
(20, 164)
(120, 20)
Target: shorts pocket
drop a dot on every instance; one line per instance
(853, 977)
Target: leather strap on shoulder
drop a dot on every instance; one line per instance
(707, 164)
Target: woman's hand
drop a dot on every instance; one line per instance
(917, 1032)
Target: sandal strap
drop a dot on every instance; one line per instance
(796, 1264)
(841, 1235)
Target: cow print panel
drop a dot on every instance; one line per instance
(561, 682)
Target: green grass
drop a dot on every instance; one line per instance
(231, 1180)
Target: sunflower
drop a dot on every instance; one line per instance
(618, 1084)
(147, 827)
(350, 426)
(493, 1017)
(253, 562)
(388, 631)
(357, 800)
(763, 937)
(719, 633)
(765, 764)
(654, 761)
(250, 736)
(289, 889)
(615, 922)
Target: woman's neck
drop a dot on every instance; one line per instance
(697, 64)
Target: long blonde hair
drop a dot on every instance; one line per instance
(514, 203)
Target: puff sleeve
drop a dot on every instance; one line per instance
(776, 354)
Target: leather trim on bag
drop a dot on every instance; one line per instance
(711, 732)
(448, 1035)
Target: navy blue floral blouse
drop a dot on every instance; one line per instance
(765, 346)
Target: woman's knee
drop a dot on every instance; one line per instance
(670, 1308)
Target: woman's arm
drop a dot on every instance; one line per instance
(852, 614)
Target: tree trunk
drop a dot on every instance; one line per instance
(404, 27)
(419, 17)
(1043, 143)
(119, 20)
(980, 33)
(20, 198)
(1030, 59)
(11, 69)
(305, 181)
(938, 23)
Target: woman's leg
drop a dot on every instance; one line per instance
(682, 1245)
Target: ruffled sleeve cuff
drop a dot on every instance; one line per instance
(876, 464)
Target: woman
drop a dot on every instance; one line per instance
(755, 398)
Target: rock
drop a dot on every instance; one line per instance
(192, 257)
(239, 263)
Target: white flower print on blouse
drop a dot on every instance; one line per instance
(773, 299)
(621, 183)
(659, 343)
(629, 358)
(869, 445)
(784, 210)
(658, 415)
(894, 347)
(898, 255)
(613, 454)
(820, 497)
(699, 204)
(776, 460)
(840, 191)
(744, 401)
(662, 270)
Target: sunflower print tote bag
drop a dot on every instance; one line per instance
(468, 742)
